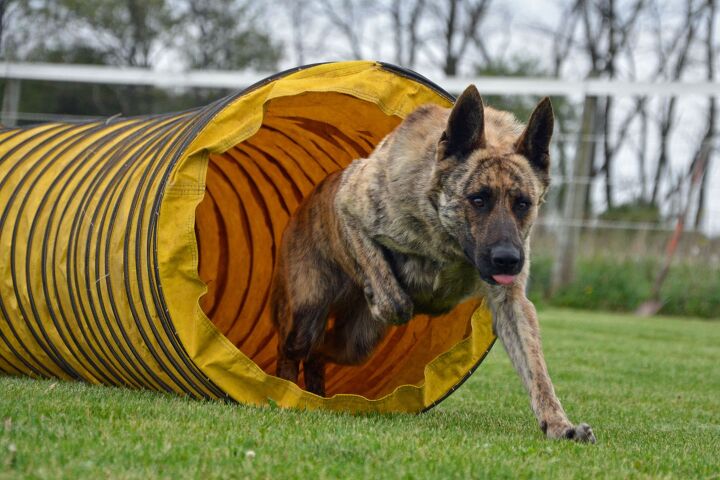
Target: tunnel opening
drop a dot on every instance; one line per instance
(252, 190)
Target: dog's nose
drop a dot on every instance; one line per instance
(505, 257)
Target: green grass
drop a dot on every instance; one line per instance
(649, 387)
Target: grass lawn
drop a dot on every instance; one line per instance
(650, 388)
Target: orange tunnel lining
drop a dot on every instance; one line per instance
(251, 191)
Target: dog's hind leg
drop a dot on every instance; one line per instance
(296, 345)
(314, 369)
(515, 323)
(300, 315)
(287, 368)
(354, 336)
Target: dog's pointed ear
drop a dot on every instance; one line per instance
(534, 143)
(465, 130)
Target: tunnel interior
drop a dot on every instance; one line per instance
(252, 189)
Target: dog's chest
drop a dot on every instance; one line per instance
(435, 288)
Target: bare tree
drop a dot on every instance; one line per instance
(3, 10)
(618, 33)
(563, 35)
(405, 19)
(347, 17)
(298, 19)
(597, 32)
(688, 31)
(459, 24)
(225, 35)
(705, 150)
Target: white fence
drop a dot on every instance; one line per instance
(14, 73)
(240, 79)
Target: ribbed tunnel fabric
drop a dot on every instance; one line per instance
(139, 252)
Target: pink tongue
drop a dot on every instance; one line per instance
(504, 279)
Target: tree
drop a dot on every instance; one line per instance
(675, 66)
(348, 18)
(225, 35)
(299, 18)
(597, 33)
(406, 17)
(123, 32)
(459, 22)
(705, 151)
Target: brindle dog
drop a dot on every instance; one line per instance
(441, 211)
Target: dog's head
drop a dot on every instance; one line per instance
(491, 175)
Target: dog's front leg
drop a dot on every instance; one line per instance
(515, 323)
(387, 300)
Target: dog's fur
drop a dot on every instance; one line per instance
(441, 211)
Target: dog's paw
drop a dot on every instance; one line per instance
(581, 433)
(389, 307)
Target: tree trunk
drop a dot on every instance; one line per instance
(569, 233)
(396, 15)
(450, 67)
(665, 127)
(710, 129)
(609, 151)
(642, 151)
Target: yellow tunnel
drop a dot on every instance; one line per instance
(139, 251)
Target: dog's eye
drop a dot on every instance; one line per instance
(522, 205)
(478, 201)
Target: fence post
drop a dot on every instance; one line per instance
(10, 103)
(568, 234)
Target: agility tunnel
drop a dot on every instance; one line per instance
(138, 252)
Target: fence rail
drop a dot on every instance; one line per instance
(243, 78)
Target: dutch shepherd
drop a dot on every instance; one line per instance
(441, 211)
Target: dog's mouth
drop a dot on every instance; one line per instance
(498, 279)
(504, 279)
(494, 277)
(501, 278)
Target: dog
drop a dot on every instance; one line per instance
(441, 211)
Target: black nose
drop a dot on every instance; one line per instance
(505, 257)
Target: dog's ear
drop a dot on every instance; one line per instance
(465, 129)
(534, 143)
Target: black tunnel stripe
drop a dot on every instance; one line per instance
(150, 266)
(43, 140)
(258, 175)
(47, 346)
(153, 268)
(422, 80)
(69, 143)
(9, 154)
(109, 162)
(128, 144)
(139, 202)
(149, 142)
(7, 366)
(78, 163)
(82, 320)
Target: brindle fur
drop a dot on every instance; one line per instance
(416, 228)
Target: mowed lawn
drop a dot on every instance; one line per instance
(649, 387)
